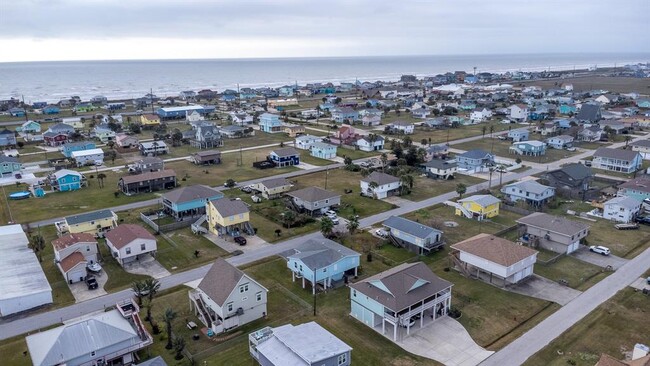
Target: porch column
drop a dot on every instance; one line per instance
(355, 271)
(303, 282)
(395, 332)
(422, 314)
(383, 326)
(313, 288)
(293, 276)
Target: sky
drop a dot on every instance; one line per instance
(53, 30)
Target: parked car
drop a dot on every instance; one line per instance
(256, 199)
(331, 214)
(365, 164)
(643, 220)
(381, 233)
(91, 282)
(94, 267)
(240, 240)
(335, 220)
(599, 249)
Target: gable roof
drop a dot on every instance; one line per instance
(529, 186)
(65, 172)
(641, 143)
(191, 193)
(160, 174)
(8, 159)
(625, 201)
(227, 207)
(494, 249)
(476, 154)
(577, 171)
(313, 194)
(638, 184)
(220, 281)
(410, 227)
(399, 281)
(89, 216)
(126, 233)
(320, 253)
(71, 239)
(285, 152)
(275, 183)
(380, 178)
(439, 164)
(605, 152)
(207, 153)
(71, 261)
(589, 112)
(481, 199)
(553, 223)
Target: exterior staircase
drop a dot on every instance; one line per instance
(248, 228)
(459, 265)
(395, 241)
(197, 226)
(460, 207)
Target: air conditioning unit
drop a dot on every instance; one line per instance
(240, 311)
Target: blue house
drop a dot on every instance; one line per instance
(9, 165)
(567, 109)
(518, 135)
(327, 106)
(7, 137)
(528, 148)
(66, 180)
(321, 262)
(637, 188)
(38, 105)
(17, 112)
(643, 103)
(51, 109)
(270, 123)
(29, 127)
(344, 114)
(68, 148)
(181, 112)
(189, 201)
(323, 150)
(285, 157)
(228, 98)
(529, 191)
(412, 235)
(285, 91)
(474, 159)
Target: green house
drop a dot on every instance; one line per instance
(9, 165)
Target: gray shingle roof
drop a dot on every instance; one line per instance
(494, 249)
(220, 280)
(606, 152)
(313, 194)
(439, 164)
(191, 193)
(410, 227)
(321, 253)
(287, 151)
(641, 184)
(400, 281)
(641, 143)
(589, 112)
(227, 207)
(475, 154)
(553, 223)
(275, 182)
(577, 171)
(161, 174)
(8, 159)
(90, 216)
(481, 199)
(528, 186)
(380, 178)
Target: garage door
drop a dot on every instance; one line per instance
(77, 274)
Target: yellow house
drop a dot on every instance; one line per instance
(149, 120)
(228, 217)
(273, 188)
(95, 223)
(294, 130)
(480, 206)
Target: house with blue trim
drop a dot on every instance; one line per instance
(29, 127)
(322, 150)
(51, 109)
(529, 191)
(643, 103)
(189, 201)
(9, 165)
(7, 137)
(474, 159)
(344, 114)
(286, 91)
(38, 105)
(414, 236)
(66, 180)
(528, 148)
(270, 123)
(637, 188)
(321, 262)
(567, 109)
(518, 135)
(285, 157)
(17, 112)
(327, 106)
(228, 98)
(69, 148)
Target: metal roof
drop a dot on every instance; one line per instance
(20, 272)
(481, 199)
(410, 227)
(321, 253)
(90, 216)
(80, 153)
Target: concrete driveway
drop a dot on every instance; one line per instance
(640, 284)
(542, 288)
(445, 340)
(599, 260)
(398, 201)
(228, 244)
(148, 266)
(81, 292)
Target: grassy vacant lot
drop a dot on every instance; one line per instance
(612, 328)
(426, 188)
(436, 215)
(612, 84)
(338, 180)
(355, 154)
(500, 148)
(306, 158)
(623, 243)
(580, 275)
(12, 351)
(440, 135)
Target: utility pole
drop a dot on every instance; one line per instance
(151, 100)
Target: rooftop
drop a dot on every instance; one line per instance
(227, 207)
(129, 179)
(553, 223)
(126, 233)
(191, 193)
(380, 178)
(410, 227)
(481, 199)
(313, 194)
(320, 253)
(495, 249)
(90, 216)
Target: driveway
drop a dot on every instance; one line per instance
(228, 244)
(81, 292)
(640, 284)
(148, 266)
(445, 340)
(599, 260)
(542, 288)
(398, 201)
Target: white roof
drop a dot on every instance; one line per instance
(20, 272)
(70, 341)
(80, 153)
(531, 143)
(624, 201)
(184, 108)
(63, 172)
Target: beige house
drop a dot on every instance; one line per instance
(72, 253)
(228, 217)
(128, 242)
(553, 233)
(273, 188)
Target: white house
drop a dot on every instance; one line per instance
(193, 116)
(642, 147)
(88, 157)
(621, 209)
(438, 168)
(380, 185)
(617, 160)
(227, 298)
(367, 144)
(128, 242)
(480, 115)
(529, 191)
(406, 128)
(560, 142)
(494, 259)
(72, 253)
(519, 112)
(304, 142)
(22, 281)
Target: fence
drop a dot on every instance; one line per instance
(518, 210)
(168, 227)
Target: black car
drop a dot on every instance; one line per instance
(91, 282)
(643, 220)
(240, 240)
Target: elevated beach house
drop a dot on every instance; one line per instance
(479, 207)
(228, 217)
(147, 182)
(95, 223)
(380, 185)
(529, 191)
(553, 233)
(617, 160)
(128, 242)
(270, 123)
(66, 180)
(440, 169)
(416, 237)
(313, 200)
(273, 187)
(72, 253)
(189, 201)
(283, 157)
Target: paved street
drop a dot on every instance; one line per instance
(517, 352)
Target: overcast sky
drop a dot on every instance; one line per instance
(38, 30)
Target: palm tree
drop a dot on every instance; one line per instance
(37, 244)
(168, 318)
(461, 189)
(384, 161)
(353, 224)
(288, 217)
(326, 226)
(628, 138)
(100, 178)
(151, 286)
(139, 291)
(372, 186)
(179, 346)
(407, 181)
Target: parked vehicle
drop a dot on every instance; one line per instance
(240, 240)
(335, 220)
(256, 199)
(643, 220)
(91, 282)
(570, 149)
(331, 214)
(246, 189)
(381, 233)
(599, 249)
(94, 267)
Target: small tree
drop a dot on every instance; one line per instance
(461, 189)
(139, 291)
(100, 178)
(288, 217)
(326, 226)
(179, 346)
(37, 244)
(353, 224)
(168, 318)
(230, 183)
(347, 160)
(483, 130)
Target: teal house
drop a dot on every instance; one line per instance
(323, 150)
(189, 201)
(643, 103)
(567, 109)
(528, 148)
(66, 180)
(51, 109)
(68, 148)
(9, 165)
(270, 123)
(321, 262)
(30, 127)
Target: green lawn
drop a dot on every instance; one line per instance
(612, 328)
(451, 134)
(426, 187)
(355, 154)
(501, 148)
(305, 157)
(579, 274)
(118, 278)
(176, 250)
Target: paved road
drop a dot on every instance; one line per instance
(517, 352)
(19, 325)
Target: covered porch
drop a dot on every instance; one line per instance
(417, 316)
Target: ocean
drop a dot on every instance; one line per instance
(52, 81)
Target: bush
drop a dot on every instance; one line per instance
(369, 257)
(454, 312)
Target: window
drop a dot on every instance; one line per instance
(229, 306)
(301, 268)
(243, 288)
(92, 354)
(143, 246)
(343, 359)
(128, 250)
(327, 201)
(354, 293)
(324, 269)
(88, 248)
(258, 296)
(295, 265)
